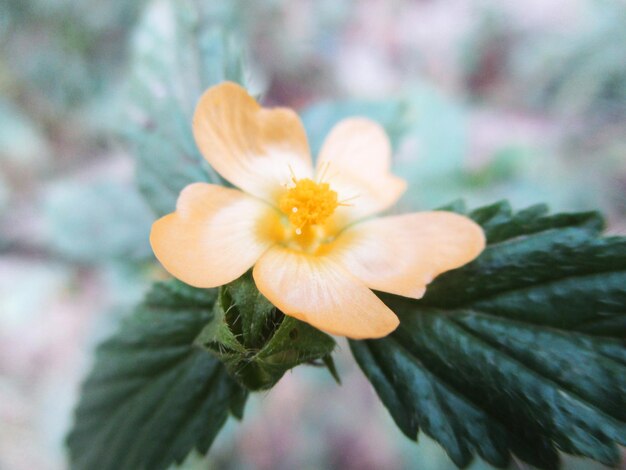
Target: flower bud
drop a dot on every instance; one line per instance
(256, 342)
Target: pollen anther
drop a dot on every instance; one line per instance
(308, 203)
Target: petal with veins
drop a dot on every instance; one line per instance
(402, 254)
(318, 291)
(215, 235)
(356, 160)
(254, 148)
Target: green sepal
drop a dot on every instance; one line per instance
(256, 342)
(329, 362)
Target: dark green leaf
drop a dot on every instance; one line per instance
(520, 352)
(152, 396)
(256, 342)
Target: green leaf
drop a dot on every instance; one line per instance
(258, 343)
(180, 49)
(152, 396)
(521, 351)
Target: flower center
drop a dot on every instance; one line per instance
(308, 203)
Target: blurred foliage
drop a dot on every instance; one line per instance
(435, 153)
(97, 221)
(21, 141)
(178, 52)
(583, 72)
(571, 77)
(319, 118)
(75, 50)
(427, 132)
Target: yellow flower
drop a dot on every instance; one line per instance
(309, 234)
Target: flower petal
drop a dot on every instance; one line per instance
(318, 291)
(215, 235)
(254, 148)
(356, 160)
(402, 254)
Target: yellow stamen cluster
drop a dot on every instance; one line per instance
(308, 203)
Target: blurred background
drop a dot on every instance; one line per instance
(483, 100)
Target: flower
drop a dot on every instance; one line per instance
(309, 234)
